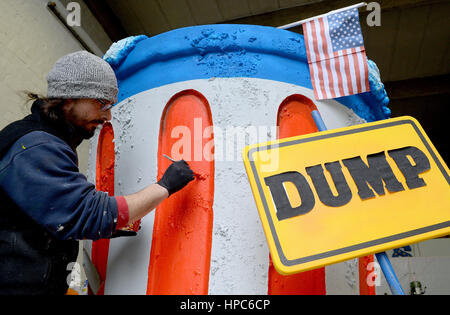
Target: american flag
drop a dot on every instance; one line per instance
(336, 55)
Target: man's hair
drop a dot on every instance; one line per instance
(51, 108)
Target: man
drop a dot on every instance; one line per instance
(46, 205)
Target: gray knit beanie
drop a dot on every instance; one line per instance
(82, 75)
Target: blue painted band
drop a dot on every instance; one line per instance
(251, 51)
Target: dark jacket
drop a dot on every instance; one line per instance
(46, 205)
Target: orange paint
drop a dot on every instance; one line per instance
(182, 236)
(294, 118)
(364, 288)
(104, 182)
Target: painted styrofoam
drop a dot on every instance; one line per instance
(245, 72)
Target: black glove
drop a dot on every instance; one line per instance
(177, 175)
(122, 233)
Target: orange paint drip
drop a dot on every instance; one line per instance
(182, 236)
(104, 182)
(294, 118)
(364, 274)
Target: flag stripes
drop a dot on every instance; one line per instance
(333, 73)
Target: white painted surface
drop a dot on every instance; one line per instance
(342, 278)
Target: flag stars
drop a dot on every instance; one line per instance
(338, 31)
(345, 31)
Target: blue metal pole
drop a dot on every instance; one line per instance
(318, 120)
(389, 274)
(382, 258)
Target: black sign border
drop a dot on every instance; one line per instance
(288, 263)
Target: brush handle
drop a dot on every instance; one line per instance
(169, 158)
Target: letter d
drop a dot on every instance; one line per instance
(280, 198)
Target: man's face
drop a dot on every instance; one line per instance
(85, 115)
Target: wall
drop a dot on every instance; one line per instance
(32, 39)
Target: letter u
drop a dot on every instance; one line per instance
(323, 188)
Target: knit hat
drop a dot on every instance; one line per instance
(82, 75)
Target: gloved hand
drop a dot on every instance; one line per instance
(121, 233)
(177, 175)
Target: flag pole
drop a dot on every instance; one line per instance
(291, 25)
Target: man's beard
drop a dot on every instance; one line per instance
(84, 133)
(79, 132)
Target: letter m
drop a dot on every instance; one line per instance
(377, 171)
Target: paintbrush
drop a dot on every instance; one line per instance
(169, 158)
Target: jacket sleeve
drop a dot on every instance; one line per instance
(43, 179)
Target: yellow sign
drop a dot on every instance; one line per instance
(335, 195)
